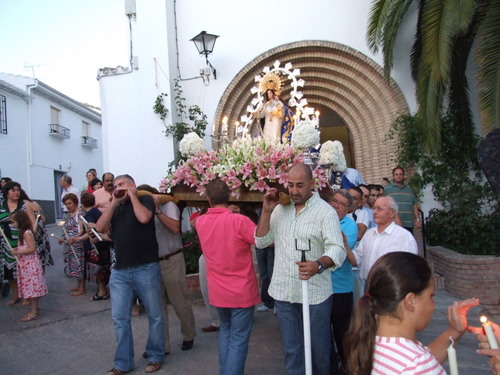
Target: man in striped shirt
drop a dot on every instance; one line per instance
(405, 197)
(311, 224)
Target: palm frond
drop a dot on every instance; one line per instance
(430, 99)
(377, 19)
(442, 22)
(394, 21)
(488, 62)
(416, 50)
(463, 12)
(437, 32)
(459, 105)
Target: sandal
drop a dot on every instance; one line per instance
(97, 297)
(29, 317)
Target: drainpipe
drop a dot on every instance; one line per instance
(30, 89)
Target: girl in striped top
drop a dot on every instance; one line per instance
(398, 304)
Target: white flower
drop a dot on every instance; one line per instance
(305, 136)
(332, 154)
(191, 144)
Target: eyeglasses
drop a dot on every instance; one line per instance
(382, 208)
(333, 200)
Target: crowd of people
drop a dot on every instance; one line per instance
(368, 290)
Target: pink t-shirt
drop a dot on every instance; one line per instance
(102, 199)
(225, 238)
(398, 355)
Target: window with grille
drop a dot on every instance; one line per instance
(3, 114)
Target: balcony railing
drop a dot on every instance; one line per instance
(89, 142)
(59, 131)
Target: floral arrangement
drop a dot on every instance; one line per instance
(250, 163)
(332, 154)
(191, 144)
(305, 136)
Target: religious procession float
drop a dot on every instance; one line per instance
(269, 140)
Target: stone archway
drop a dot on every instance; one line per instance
(341, 79)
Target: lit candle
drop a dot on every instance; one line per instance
(317, 118)
(452, 358)
(488, 329)
(236, 128)
(224, 124)
(57, 238)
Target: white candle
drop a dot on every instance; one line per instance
(224, 124)
(236, 126)
(452, 359)
(488, 329)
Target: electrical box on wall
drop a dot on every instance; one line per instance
(135, 62)
(130, 7)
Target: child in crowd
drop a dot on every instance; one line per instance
(30, 279)
(399, 303)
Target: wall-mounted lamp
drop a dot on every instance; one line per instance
(205, 42)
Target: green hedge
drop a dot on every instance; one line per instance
(469, 219)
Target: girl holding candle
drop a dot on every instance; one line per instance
(30, 279)
(398, 304)
(41, 237)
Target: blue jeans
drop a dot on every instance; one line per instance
(359, 285)
(340, 319)
(292, 336)
(265, 260)
(145, 281)
(235, 328)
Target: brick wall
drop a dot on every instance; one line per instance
(468, 276)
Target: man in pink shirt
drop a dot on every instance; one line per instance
(103, 195)
(225, 238)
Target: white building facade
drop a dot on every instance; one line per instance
(46, 134)
(324, 38)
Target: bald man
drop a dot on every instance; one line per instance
(307, 223)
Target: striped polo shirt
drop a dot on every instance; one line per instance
(399, 355)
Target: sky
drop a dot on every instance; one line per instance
(64, 42)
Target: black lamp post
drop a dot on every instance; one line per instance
(205, 42)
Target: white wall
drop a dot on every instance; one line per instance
(13, 153)
(133, 133)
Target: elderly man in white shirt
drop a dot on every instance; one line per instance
(385, 238)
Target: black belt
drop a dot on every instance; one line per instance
(171, 254)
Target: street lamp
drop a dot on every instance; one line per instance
(205, 42)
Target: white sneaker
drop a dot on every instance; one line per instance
(263, 308)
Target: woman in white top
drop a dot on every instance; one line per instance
(398, 304)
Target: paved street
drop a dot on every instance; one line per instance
(75, 336)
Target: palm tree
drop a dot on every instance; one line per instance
(446, 32)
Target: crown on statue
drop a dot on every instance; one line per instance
(271, 81)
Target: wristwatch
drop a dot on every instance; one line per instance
(157, 212)
(321, 266)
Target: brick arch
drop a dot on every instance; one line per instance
(337, 77)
